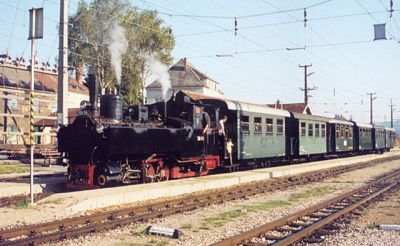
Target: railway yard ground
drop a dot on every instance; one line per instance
(210, 224)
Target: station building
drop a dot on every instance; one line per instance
(15, 83)
(184, 76)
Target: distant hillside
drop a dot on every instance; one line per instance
(396, 125)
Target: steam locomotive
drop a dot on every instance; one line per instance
(182, 138)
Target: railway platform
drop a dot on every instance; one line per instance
(100, 198)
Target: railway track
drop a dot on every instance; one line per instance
(319, 220)
(78, 226)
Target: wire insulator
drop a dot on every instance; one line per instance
(236, 29)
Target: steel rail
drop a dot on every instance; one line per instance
(70, 227)
(309, 230)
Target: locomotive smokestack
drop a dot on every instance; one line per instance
(93, 87)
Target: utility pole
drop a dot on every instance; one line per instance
(371, 108)
(35, 32)
(391, 113)
(62, 102)
(306, 89)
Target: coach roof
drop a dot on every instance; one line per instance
(237, 105)
(363, 125)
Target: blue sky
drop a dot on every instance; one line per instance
(341, 49)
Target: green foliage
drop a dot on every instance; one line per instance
(144, 30)
(22, 204)
(266, 205)
(319, 191)
(222, 218)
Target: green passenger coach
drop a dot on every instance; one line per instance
(260, 131)
(340, 136)
(310, 133)
(363, 137)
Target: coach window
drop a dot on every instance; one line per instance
(303, 129)
(279, 127)
(323, 133)
(244, 124)
(337, 131)
(257, 125)
(316, 130)
(342, 131)
(350, 132)
(346, 135)
(270, 126)
(310, 130)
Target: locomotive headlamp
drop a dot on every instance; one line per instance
(84, 104)
(99, 128)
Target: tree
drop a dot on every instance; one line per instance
(144, 31)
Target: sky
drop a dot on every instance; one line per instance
(260, 64)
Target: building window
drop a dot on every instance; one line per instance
(53, 106)
(323, 130)
(270, 126)
(310, 130)
(244, 124)
(303, 129)
(317, 130)
(36, 105)
(12, 104)
(279, 126)
(257, 125)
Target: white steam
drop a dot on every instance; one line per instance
(160, 70)
(117, 46)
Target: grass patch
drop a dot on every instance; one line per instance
(22, 204)
(310, 193)
(204, 227)
(186, 226)
(222, 218)
(266, 205)
(10, 168)
(390, 214)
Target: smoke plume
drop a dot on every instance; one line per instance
(160, 70)
(117, 46)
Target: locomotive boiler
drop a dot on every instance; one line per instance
(146, 143)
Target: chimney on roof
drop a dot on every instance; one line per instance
(185, 63)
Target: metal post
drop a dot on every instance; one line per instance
(31, 140)
(62, 102)
(391, 113)
(306, 88)
(371, 107)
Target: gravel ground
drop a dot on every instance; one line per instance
(207, 225)
(364, 231)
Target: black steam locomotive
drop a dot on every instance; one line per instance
(132, 144)
(182, 138)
